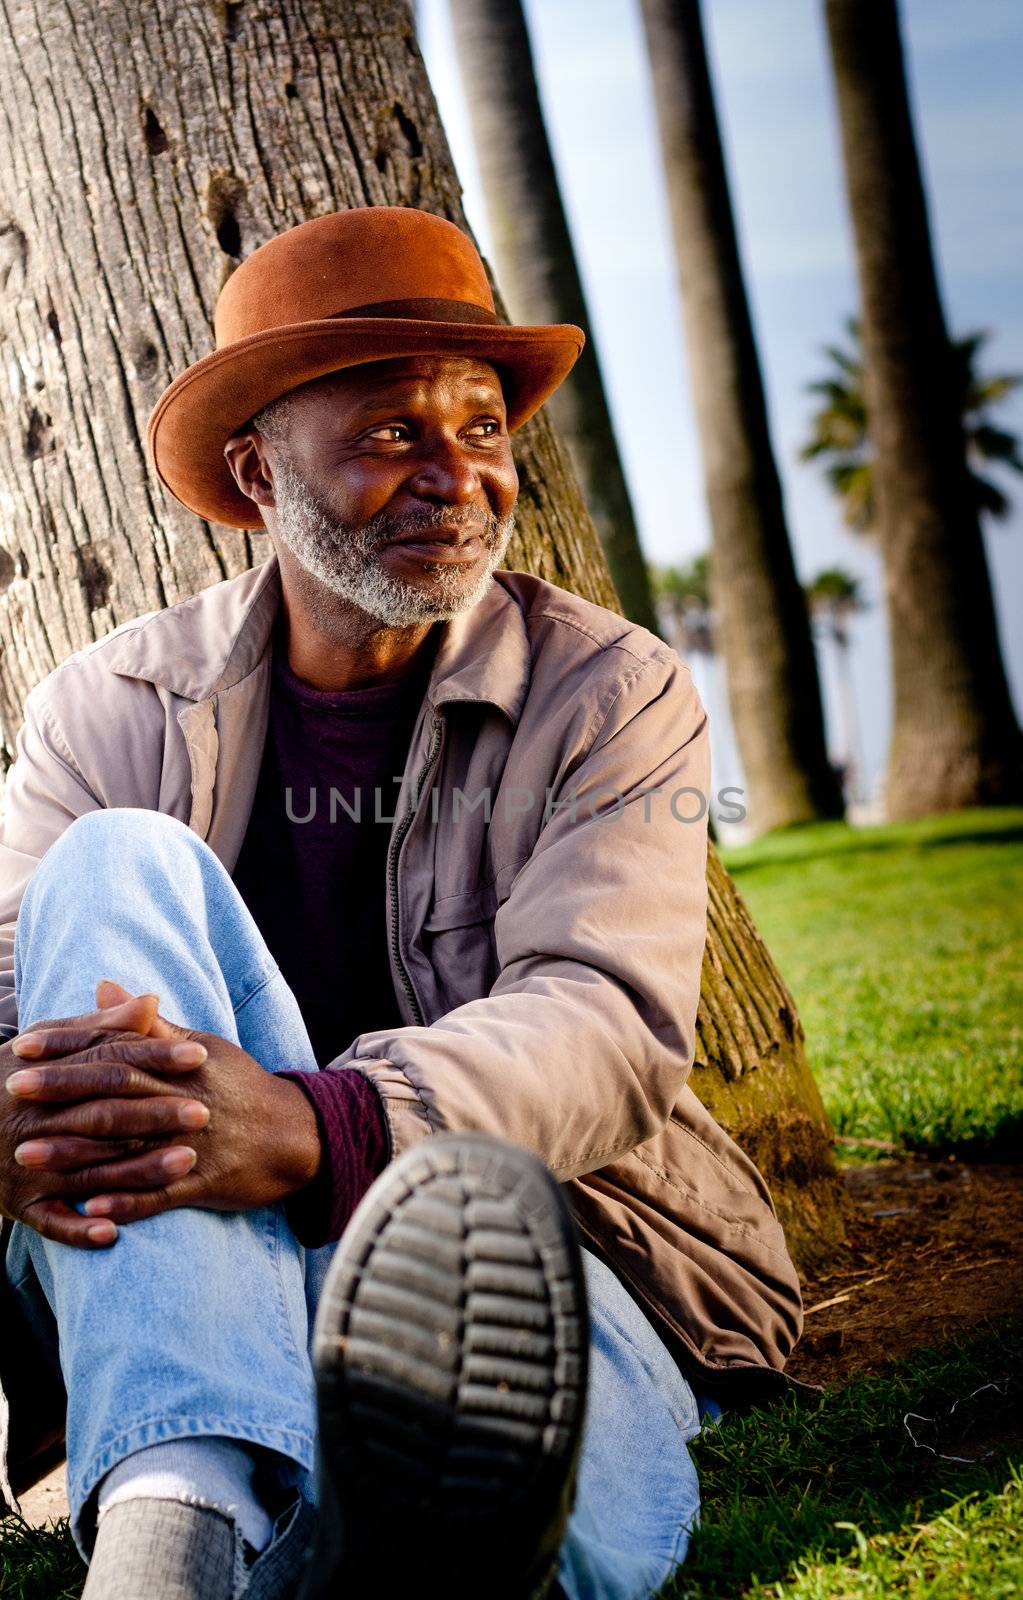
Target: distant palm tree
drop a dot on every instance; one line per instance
(537, 268)
(763, 629)
(686, 620)
(682, 598)
(955, 739)
(833, 596)
(839, 436)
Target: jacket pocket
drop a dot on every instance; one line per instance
(462, 910)
(458, 941)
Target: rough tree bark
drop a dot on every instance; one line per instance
(764, 630)
(955, 738)
(143, 159)
(537, 270)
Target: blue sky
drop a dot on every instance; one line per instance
(771, 73)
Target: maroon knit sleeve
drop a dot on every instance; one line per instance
(356, 1148)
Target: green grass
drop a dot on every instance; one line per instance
(902, 947)
(39, 1563)
(830, 1497)
(974, 1548)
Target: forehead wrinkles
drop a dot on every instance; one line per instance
(415, 381)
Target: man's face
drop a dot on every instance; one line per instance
(393, 484)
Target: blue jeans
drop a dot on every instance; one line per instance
(198, 1323)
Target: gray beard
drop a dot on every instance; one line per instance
(345, 559)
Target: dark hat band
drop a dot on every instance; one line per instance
(428, 309)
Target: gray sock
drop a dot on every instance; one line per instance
(161, 1550)
(216, 1473)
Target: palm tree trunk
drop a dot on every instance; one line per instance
(955, 739)
(130, 195)
(537, 269)
(855, 775)
(765, 636)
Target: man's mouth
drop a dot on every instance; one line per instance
(449, 544)
(441, 550)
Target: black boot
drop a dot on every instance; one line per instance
(450, 1350)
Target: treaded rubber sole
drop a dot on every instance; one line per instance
(450, 1350)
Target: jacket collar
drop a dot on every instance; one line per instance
(206, 644)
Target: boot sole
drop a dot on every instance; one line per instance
(450, 1351)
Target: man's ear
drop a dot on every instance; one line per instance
(245, 456)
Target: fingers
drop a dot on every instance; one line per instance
(60, 1154)
(114, 1073)
(157, 1169)
(136, 1014)
(56, 1084)
(62, 1039)
(109, 993)
(120, 1128)
(154, 1169)
(56, 1220)
(117, 1120)
(133, 1207)
(160, 1054)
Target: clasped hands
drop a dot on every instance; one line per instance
(133, 1115)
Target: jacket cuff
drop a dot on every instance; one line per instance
(405, 1106)
(356, 1148)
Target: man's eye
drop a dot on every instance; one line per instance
(392, 432)
(489, 425)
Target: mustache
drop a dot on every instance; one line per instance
(385, 527)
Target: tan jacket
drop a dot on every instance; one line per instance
(546, 961)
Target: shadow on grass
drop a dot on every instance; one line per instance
(779, 1482)
(1004, 1143)
(839, 841)
(1010, 833)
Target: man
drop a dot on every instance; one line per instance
(497, 980)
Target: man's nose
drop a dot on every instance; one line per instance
(447, 472)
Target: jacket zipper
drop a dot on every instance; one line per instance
(392, 868)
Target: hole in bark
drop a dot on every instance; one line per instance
(39, 439)
(8, 569)
(223, 198)
(13, 252)
(53, 323)
(145, 358)
(410, 132)
(94, 576)
(156, 140)
(291, 90)
(229, 235)
(388, 147)
(232, 19)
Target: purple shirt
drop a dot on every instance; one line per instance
(313, 872)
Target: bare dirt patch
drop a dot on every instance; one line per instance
(935, 1247)
(47, 1500)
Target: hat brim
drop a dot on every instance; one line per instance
(198, 413)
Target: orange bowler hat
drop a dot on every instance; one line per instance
(362, 285)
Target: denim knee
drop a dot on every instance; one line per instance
(135, 895)
(112, 844)
(114, 833)
(113, 866)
